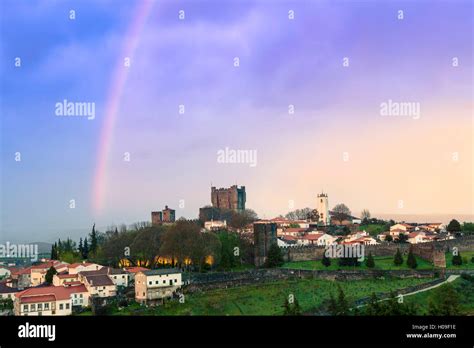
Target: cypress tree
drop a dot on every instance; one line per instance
(398, 259)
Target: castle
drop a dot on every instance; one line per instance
(232, 198)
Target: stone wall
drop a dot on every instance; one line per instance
(433, 251)
(223, 280)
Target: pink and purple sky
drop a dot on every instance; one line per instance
(426, 161)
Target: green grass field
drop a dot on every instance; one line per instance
(463, 287)
(268, 298)
(381, 263)
(464, 254)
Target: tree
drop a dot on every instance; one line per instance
(373, 307)
(457, 259)
(398, 258)
(402, 238)
(411, 260)
(339, 306)
(454, 227)
(341, 212)
(93, 238)
(326, 261)
(313, 216)
(299, 214)
(275, 257)
(80, 248)
(444, 301)
(388, 238)
(85, 250)
(365, 215)
(370, 262)
(49, 275)
(54, 251)
(291, 308)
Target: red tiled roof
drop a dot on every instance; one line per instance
(135, 269)
(66, 276)
(75, 265)
(56, 293)
(312, 236)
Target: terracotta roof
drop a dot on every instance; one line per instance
(48, 293)
(135, 269)
(312, 236)
(77, 264)
(66, 276)
(292, 230)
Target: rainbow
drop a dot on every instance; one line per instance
(114, 95)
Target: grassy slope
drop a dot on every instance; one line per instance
(464, 288)
(468, 265)
(268, 299)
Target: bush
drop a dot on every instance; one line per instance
(457, 260)
(370, 262)
(398, 258)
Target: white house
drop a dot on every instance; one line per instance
(48, 300)
(156, 284)
(76, 268)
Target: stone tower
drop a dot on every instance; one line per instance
(322, 205)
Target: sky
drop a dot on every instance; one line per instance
(333, 63)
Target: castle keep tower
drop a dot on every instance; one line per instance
(322, 205)
(228, 198)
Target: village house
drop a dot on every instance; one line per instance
(134, 270)
(292, 231)
(75, 268)
(98, 284)
(4, 272)
(49, 300)
(7, 292)
(38, 272)
(21, 278)
(402, 227)
(60, 279)
(157, 284)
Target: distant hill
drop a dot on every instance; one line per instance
(43, 247)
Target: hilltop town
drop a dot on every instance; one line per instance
(166, 263)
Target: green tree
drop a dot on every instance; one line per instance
(49, 275)
(398, 258)
(370, 262)
(373, 307)
(457, 259)
(454, 227)
(339, 305)
(411, 260)
(275, 257)
(326, 261)
(444, 301)
(85, 251)
(93, 238)
(388, 238)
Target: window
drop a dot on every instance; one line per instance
(115, 277)
(32, 307)
(40, 306)
(80, 295)
(25, 308)
(67, 305)
(75, 295)
(61, 306)
(156, 282)
(143, 294)
(123, 277)
(150, 282)
(46, 306)
(164, 281)
(103, 287)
